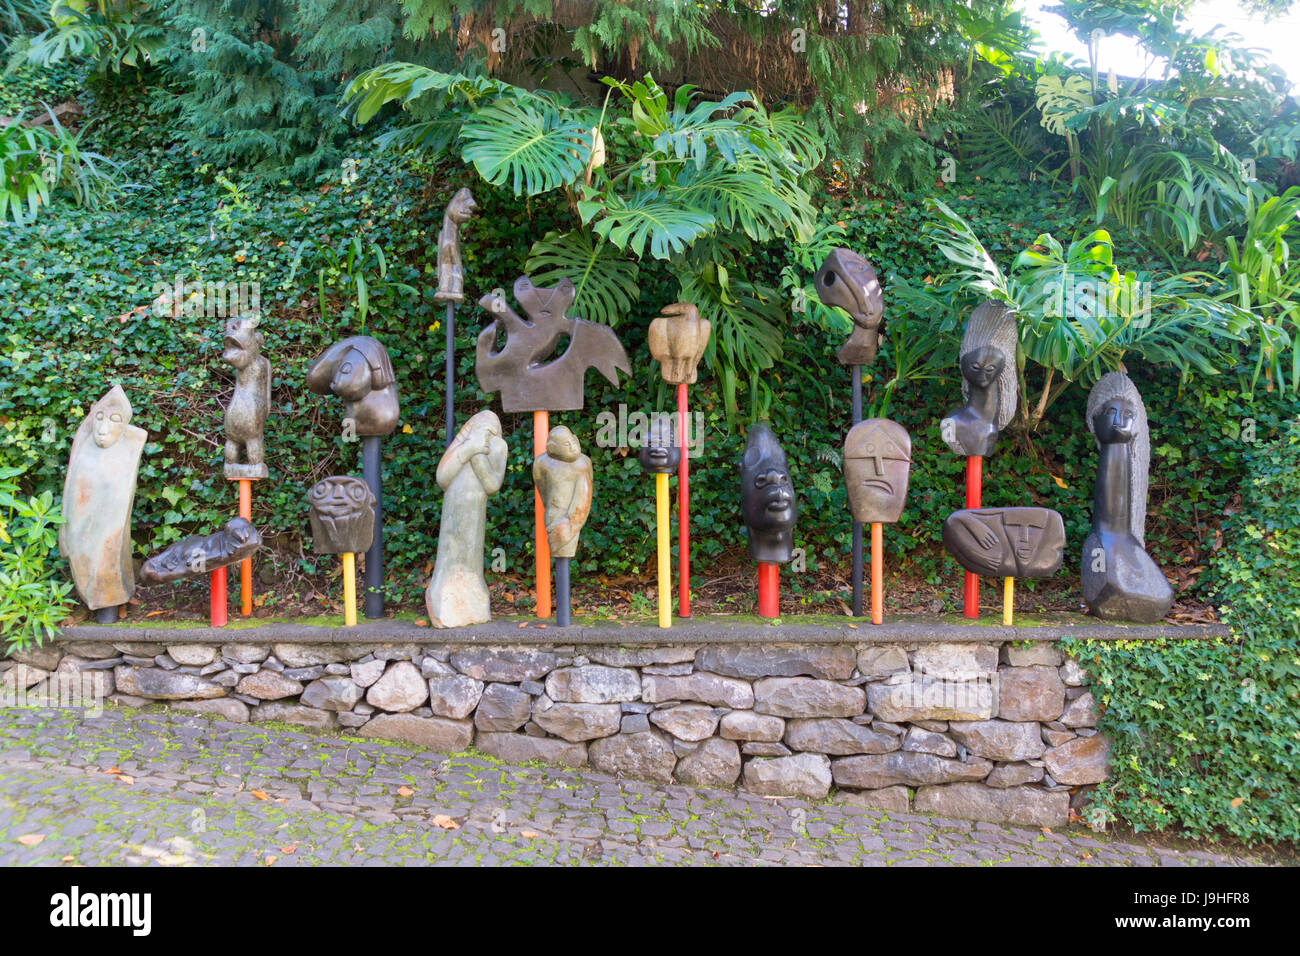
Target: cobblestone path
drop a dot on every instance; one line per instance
(174, 789)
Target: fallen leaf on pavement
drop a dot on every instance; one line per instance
(446, 822)
(288, 850)
(404, 791)
(259, 794)
(271, 859)
(31, 839)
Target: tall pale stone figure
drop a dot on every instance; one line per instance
(471, 469)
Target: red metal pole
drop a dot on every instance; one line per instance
(683, 510)
(971, 586)
(217, 598)
(541, 429)
(769, 589)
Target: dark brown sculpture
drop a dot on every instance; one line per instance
(677, 340)
(251, 401)
(451, 273)
(660, 454)
(564, 479)
(877, 460)
(196, 556)
(1120, 581)
(988, 381)
(342, 513)
(767, 500)
(98, 495)
(358, 370)
(847, 280)
(1006, 542)
(525, 370)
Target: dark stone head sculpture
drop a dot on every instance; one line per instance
(358, 370)
(526, 370)
(660, 454)
(877, 459)
(767, 500)
(251, 401)
(1006, 542)
(196, 556)
(1120, 581)
(847, 280)
(451, 272)
(988, 381)
(342, 512)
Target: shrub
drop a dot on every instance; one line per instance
(33, 597)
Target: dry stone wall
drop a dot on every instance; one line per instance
(1004, 733)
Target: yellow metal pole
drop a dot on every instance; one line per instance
(349, 589)
(665, 552)
(1008, 600)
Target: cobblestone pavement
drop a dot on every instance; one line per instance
(169, 788)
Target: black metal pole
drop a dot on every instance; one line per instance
(451, 372)
(106, 615)
(856, 371)
(562, 592)
(372, 474)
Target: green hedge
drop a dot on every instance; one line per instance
(1207, 736)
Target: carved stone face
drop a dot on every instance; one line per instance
(660, 454)
(1115, 422)
(877, 459)
(562, 444)
(342, 515)
(462, 207)
(767, 500)
(196, 556)
(112, 414)
(848, 281)
(352, 381)
(1006, 542)
(982, 366)
(242, 342)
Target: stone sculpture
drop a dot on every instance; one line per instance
(767, 500)
(877, 460)
(342, 514)
(677, 340)
(470, 471)
(988, 381)
(1120, 581)
(358, 370)
(660, 454)
(525, 370)
(564, 478)
(1006, 542)
(847, 280)
(451, 273)
(97, 497)
(251, 401)
(198, 555)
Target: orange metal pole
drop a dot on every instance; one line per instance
(541, 428)
(246, 566)
(877, 573)
(974, 487)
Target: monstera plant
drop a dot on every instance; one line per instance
(646, 176)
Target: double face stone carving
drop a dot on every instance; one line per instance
(660, 454)
(451, 272)
(564, 478)
(98, 495)
(767, 501)
(988, 381)
(1006, 542)
(342, 513)
(1120, 581)
(196, 556)
(251, 401)
(358, 370)
(526, 371)
(471, 470)
(847, 280)
(677, 339)
(877, 461)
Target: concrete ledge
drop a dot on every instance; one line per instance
(708, 630)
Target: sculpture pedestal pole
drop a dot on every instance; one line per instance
(769, 589)
(856, 371)
(217, 598)
(372, 474)
(541, 429)
(246, 566)
(683, 511)
(877, 572)
(1008, 600)
(349, 588)
(450, 372)
(665, 551)
(971, 588)
(563, 604)
(106, 615)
